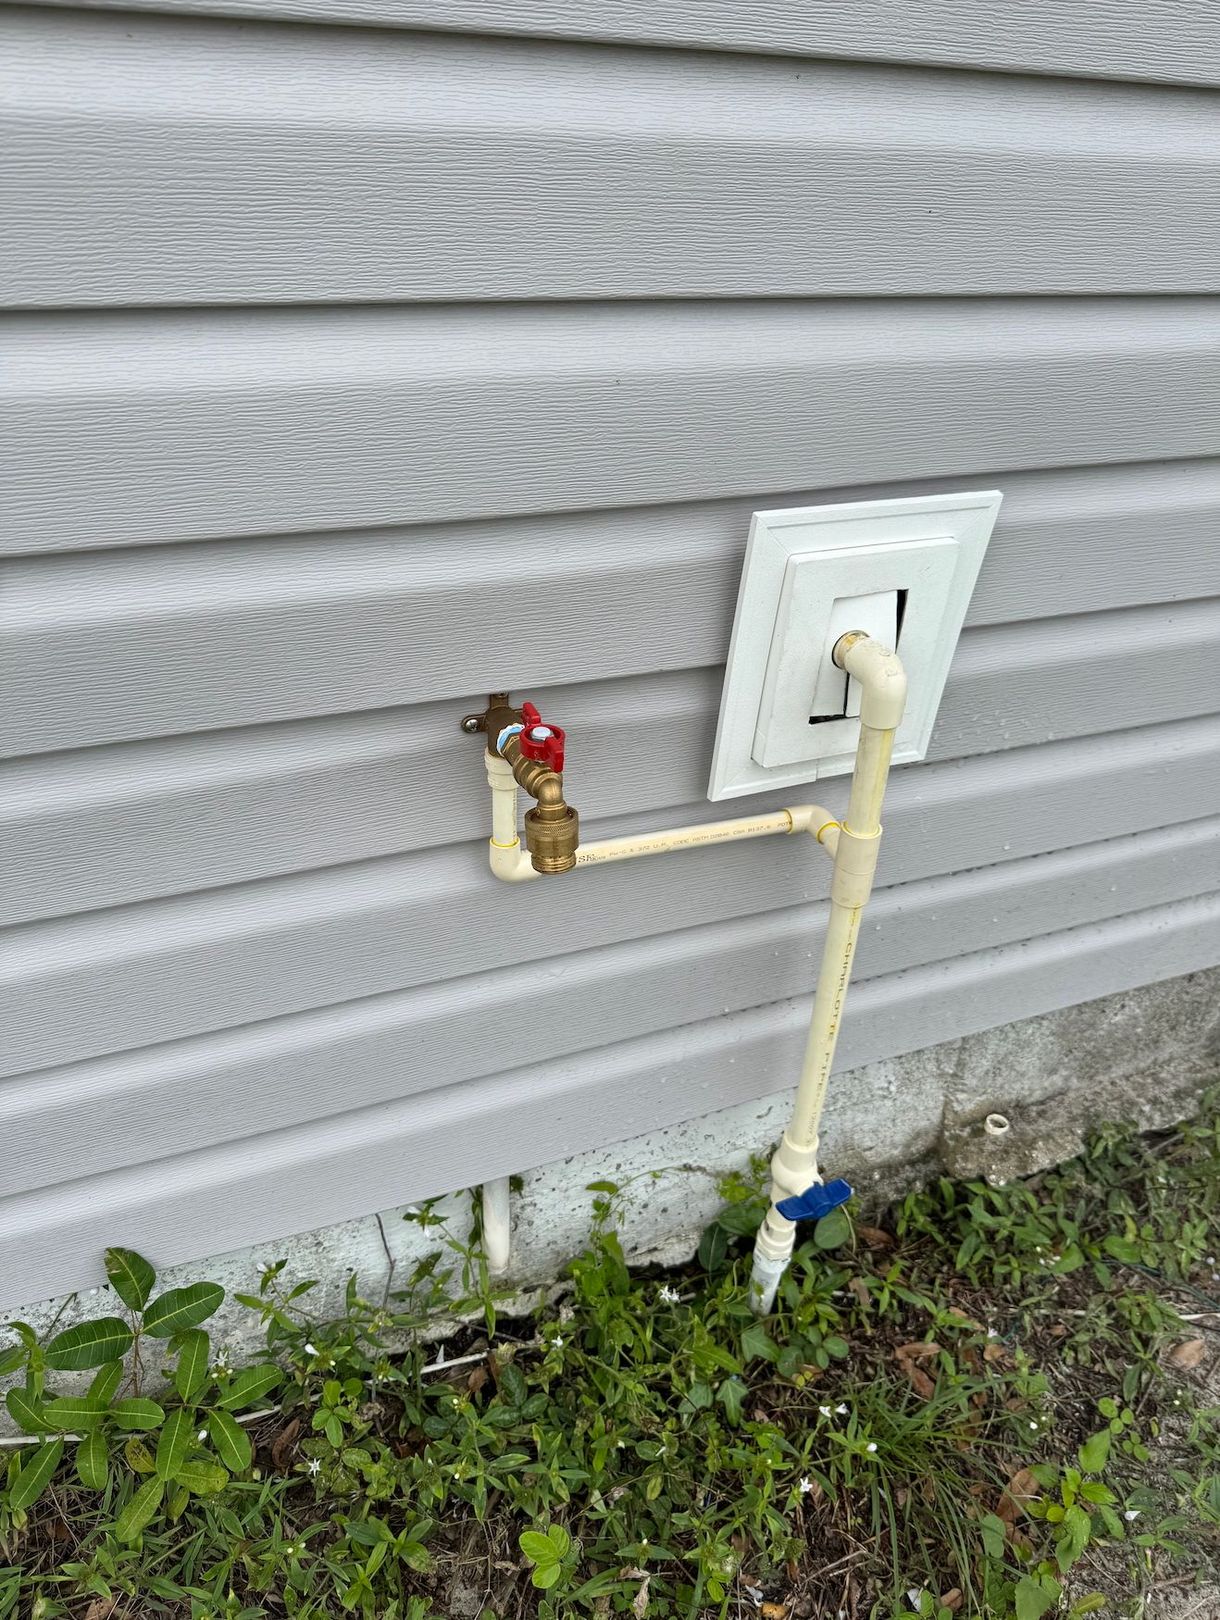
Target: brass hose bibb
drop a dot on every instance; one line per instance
(535, 752)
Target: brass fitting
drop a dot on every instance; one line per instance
(552, 827)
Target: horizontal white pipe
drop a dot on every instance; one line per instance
(511, 863)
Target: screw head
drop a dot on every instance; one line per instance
(471, 724)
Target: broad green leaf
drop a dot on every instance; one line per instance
(538, 1548)
(191, 1373)
(177, 1504)
(12, 1359)
(182, 1308)
(175, 1441)
(201, 1476)
(513, 1388)
(731, 1395)
(25, 1411)
(249, 1386)
(1095, 1452)
(1089, 1604)
(560, 1539)
(742, 1220)
(130, 1276)
(756, 1342)
(546, 1575)
(70, 1412)
(995, 1539)
(833, 1230)
(89, 1344)
(35, 1476)
(139, 1458)
(1121, 1249)
(231, 1441)
(1033, 1597)
(138, 1413)
(92, 1462)
(139, 1510)
(106, 1381)
(713, 1246)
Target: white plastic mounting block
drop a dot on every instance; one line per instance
(805, 570)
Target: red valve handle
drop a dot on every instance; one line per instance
(547, 748)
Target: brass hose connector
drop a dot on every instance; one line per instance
(552, 827)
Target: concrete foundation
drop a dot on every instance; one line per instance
(1142, 1057)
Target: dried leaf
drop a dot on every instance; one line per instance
(952, 1600)
(792, 1570)
(1021, 1488)
(874, 1238)
(1186, 1355)
(920, 1350)
(281, 1446)
(773, 1611)
(994, 1352)
(966, 1321)
(639, 1603)
(859, 1288)
(476, 1378)
(920, 1382)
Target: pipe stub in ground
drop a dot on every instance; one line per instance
(997, 1125)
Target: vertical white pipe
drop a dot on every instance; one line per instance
(794, 1164)
(497, 1225)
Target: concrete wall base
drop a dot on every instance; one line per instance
(1142, 1057)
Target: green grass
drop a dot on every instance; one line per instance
(963, 1407)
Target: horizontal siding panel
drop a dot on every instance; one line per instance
(183, 161)
(136, 975)
(305, 1176)
(193, 1094)
(1172, 40)
(125, 427)
(126, 644)
(131, 823)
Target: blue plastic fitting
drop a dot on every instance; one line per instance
(815, 1201)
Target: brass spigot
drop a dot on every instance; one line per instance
(535, 752)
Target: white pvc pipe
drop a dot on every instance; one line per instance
(853, 846)
(497, 1225)
(794, 1166)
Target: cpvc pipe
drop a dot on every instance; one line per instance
(794, 1165)
(853, 845)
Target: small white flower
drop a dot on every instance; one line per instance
(557, 1343)
(1033, 1425)
(203, 1434)
(1131, 1513)
(315, 1465)
(805, 1486)
(871, 1446)
(824, 1410)
(992, 1334)
(841, 1409)
(310, 1349)
(668, 1295)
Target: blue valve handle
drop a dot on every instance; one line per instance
(815, 1201)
